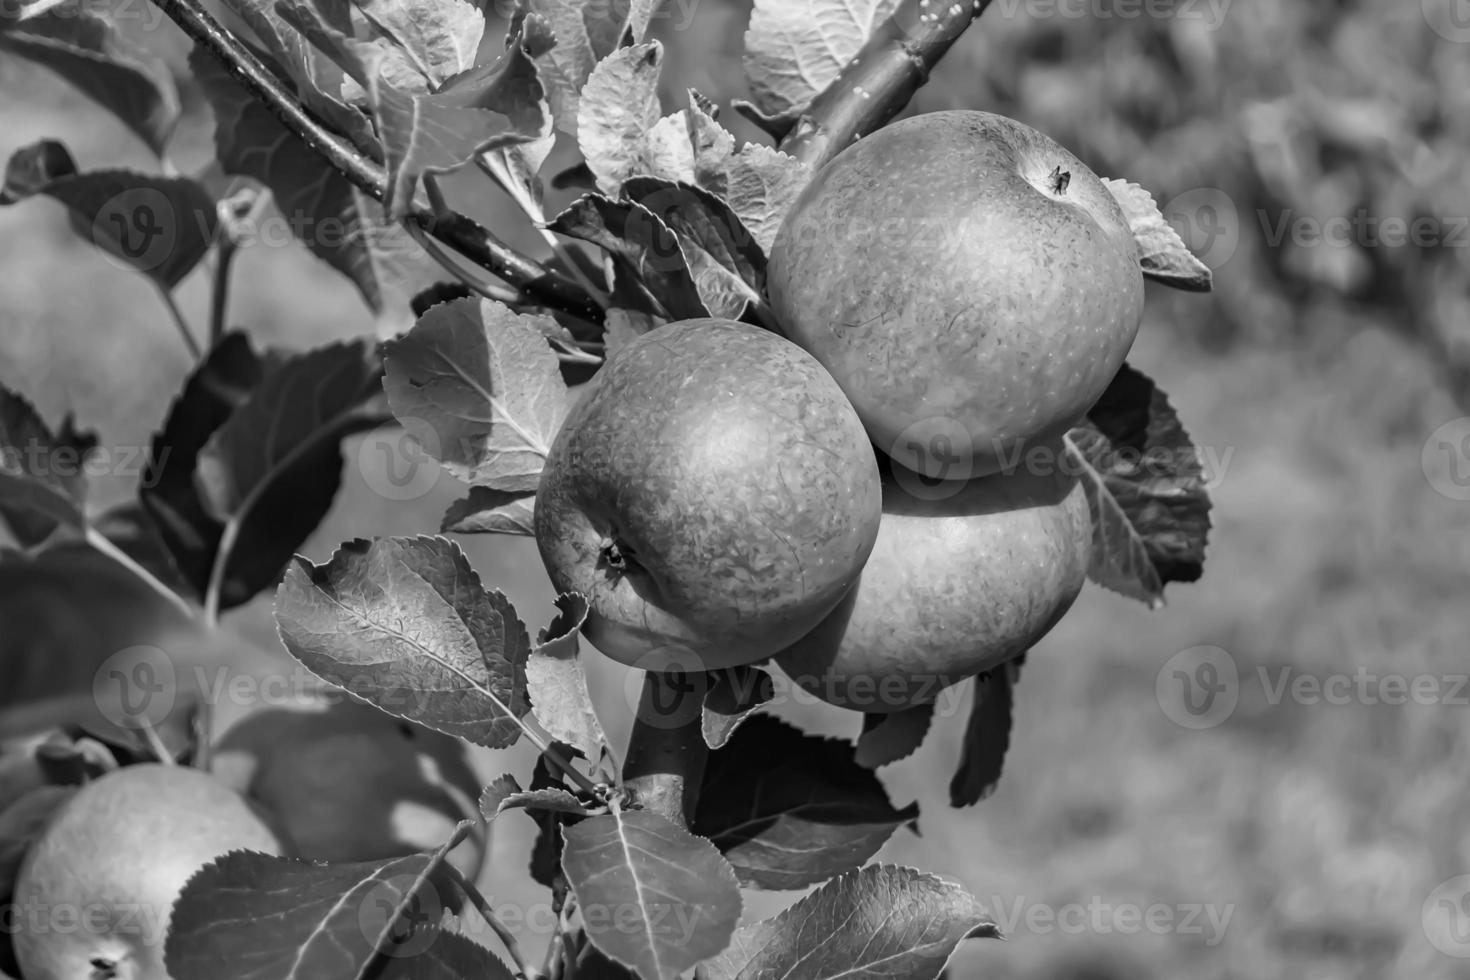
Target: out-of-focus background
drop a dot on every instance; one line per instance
(1317, 155)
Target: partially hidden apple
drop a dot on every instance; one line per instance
(964, 577)
(971, 285)
(347, 782)
(713, 494)
(96, 889)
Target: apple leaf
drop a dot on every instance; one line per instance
(479, 388)
(587, 31)
(404, 624)
(987, 734)
(887, 738)
(160, 226)
(546, 852)
(1161, 252)
(487, 511)
(790, 809)
(558, 684)
(339, 223)
(268, 475)
(250, 460)
(652, 273)
(653, 897)
(728, 266)
(506, 794)
(483, 109)
(218, 385)
(43, 481)
(439, 37)
(762, 185)
(440, 953)
(1146, 490)
(882, 921)
(733, 693)
(249, 915)
(77, 42)
(623, 326)
(713, 144)
(618, 109)
(795, 48)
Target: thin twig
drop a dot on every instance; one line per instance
(464, 234)
(881, 78)
(220, 297)
(182, 325)
(482, 905)
(98, 540)
(155, 744)
(477, 284)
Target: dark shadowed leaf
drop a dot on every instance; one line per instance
(479, 388)
(558, 684)
(727, 263)
(880, 923)
(404, 624)
(43, 484)
(649, 262)
(546, 852)
(218, 385)
(887, 738)
(487, 511)
(275, 464)
(987, 734)
(74, 40)
(653, 897)
(793, 50)
(763, 184)
(160, 226)
(506, 794)
(1145, 486)
(732, 695)
(618, 109)
(249, 915)
(339, 223)
(790, 809)
(1161, 252)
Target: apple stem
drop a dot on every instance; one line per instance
(666, 751)
(1060, 180)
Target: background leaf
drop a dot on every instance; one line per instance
(75, 41)
(887, 738)
(43, 484)
(880, 923)
(404, 624)
(1145, 486)
(480, 390)
(653, 897)
(987, 734)
(558, 684)
(790, 809)
(160, 226)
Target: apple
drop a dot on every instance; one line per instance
(964, 577)
(713, 494)
(347, 782)
(96, 889)
(971, 285)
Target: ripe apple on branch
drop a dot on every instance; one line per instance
(855, 407)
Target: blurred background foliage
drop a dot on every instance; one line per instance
(1312, 378)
